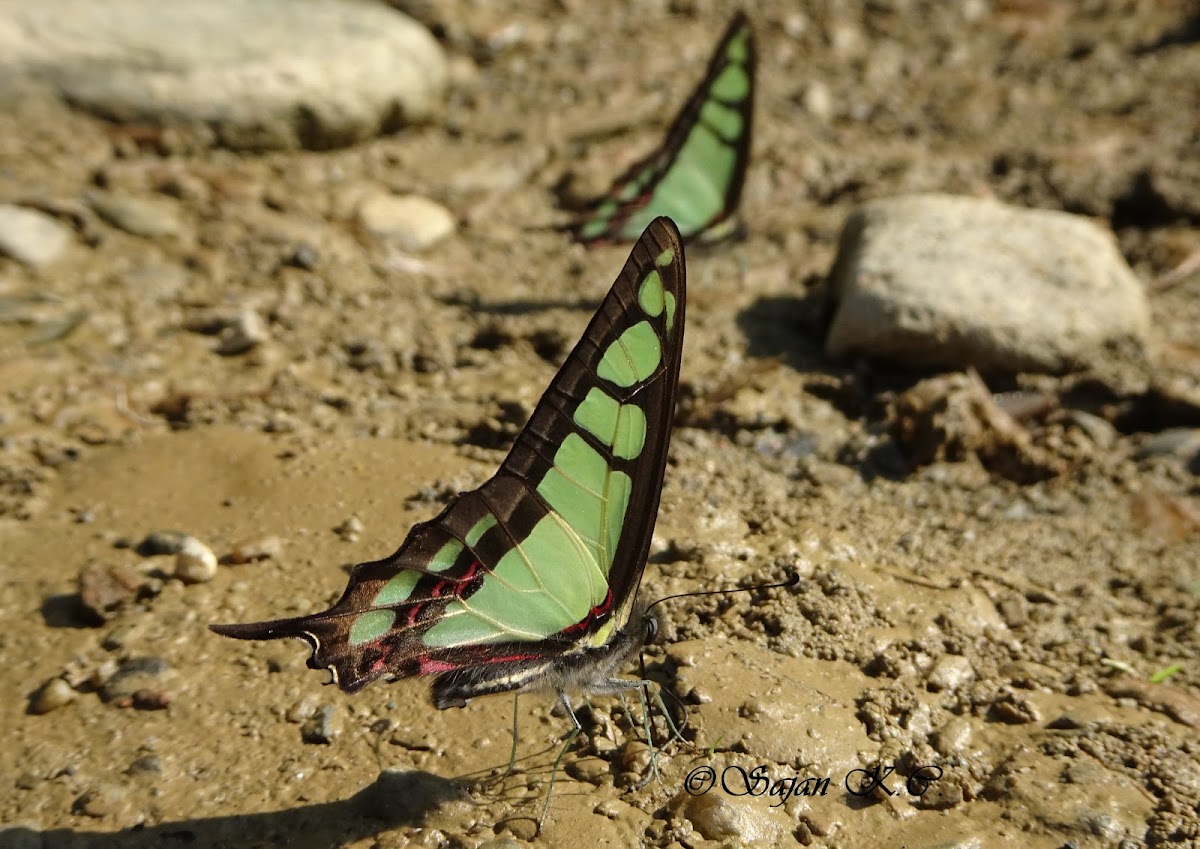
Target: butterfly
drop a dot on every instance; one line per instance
(696, 175)
(530, 581)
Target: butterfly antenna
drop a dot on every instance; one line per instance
(792, 580)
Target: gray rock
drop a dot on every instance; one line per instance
(103, 590)
(322, 727)
(137, 675)
(350, 529)
(953, 738)
(52, 695)
(245, 331)
(102, 800)
(302, 709)
(1182, 443)
(262, 74)
(31, 237)
(152, 218)
(148, 764)
(942, 281)
(410, 222)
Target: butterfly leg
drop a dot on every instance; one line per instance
(566, 703)
(607, 687)
(512, 755)
(676, 730)
(617, 687)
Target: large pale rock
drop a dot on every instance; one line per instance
(31, 237)
(260, 73)
(949, 282)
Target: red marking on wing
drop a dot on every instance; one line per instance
(429, 666)
(455, 585)
(508, 658)
(470, 573)
(379, 664)
(598, 612)
(446, 586)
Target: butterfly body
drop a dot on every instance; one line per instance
(583, 669)
(529, 582)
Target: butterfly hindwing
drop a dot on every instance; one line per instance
(544, 558)
(695, 177)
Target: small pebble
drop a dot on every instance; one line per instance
(322, 727)
(1182, 443)
(134, 679)
(613, 809)
(259, 548)
(940, 796)
(1099, 430)
(588, 770)
(244, 332)
(949, 673)
(101, 800)
(118, 637)
(524, 830)
(148, 699)
(151, 218)
(195, 563)
(91, 677)
(304, 256)
(105, 589)
(635, 757)
(302, 709)
(350, 529)
(953, 737)
(1013, 710)
(413, 741)
(146, 764)
(52, 695)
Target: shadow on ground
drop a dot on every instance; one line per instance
(395, 799)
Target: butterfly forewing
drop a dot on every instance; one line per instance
(695, 177)
(546, 556)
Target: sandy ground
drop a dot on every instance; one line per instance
(978, 607)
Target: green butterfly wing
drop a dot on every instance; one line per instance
(695, 177)
(542, 562)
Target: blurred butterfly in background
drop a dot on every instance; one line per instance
(695, 177)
